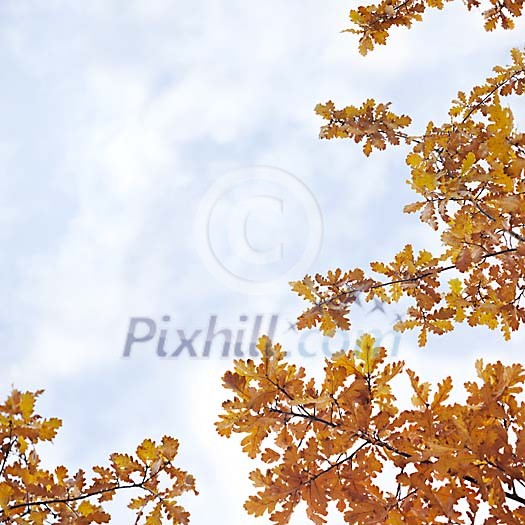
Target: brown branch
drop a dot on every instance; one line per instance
(8, 448)
(483, 101)
(340, 462)
(71, 499)
(306, 415)
(67, 500)
(515, 497)
(490, 217)
(413, 279)
(368, 440)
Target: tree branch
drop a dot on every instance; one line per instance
(415, 278)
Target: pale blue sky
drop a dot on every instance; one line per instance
(117, 118)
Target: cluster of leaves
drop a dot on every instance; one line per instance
(373, 123)
(30, 494)
(373, 22)
(337, 442)
(470, 175)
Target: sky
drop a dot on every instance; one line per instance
(160, 159)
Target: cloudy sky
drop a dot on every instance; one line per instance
(160, 158)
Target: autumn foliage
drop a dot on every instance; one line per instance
(469, 174)
(373, 22)
(348, 441)
(32, 494)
